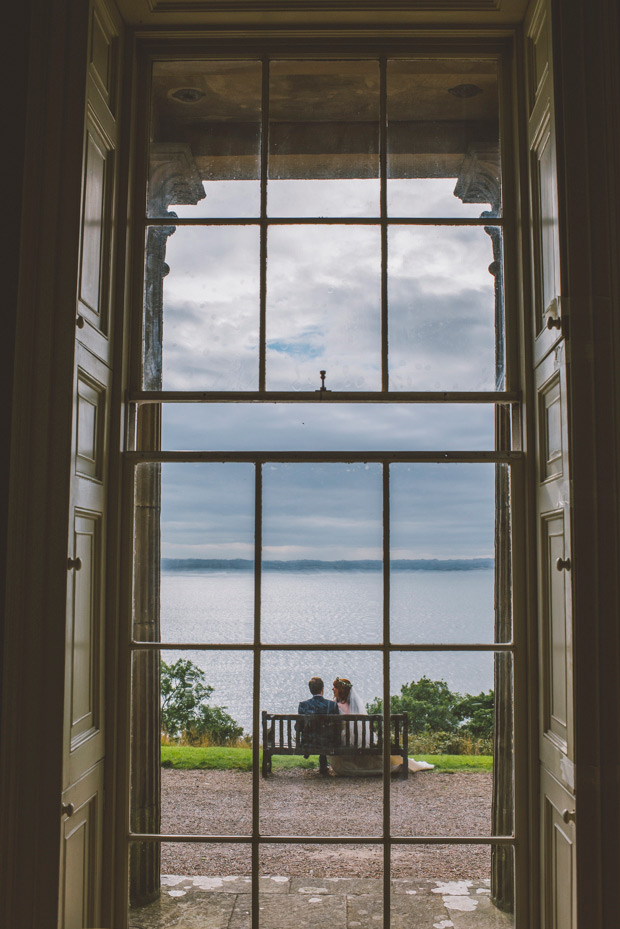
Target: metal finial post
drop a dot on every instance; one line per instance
(322, 373)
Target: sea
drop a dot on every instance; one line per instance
(438, 602)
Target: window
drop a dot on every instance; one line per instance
(322, 476)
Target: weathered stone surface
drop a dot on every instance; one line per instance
(184, 909)
(230, 884)
(274, 884)
(406, 886)
(484, 914)
(420, 910)
(279, 911)
(341, 903)
(364, 911)
(337, 885)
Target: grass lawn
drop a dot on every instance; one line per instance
(187, 758)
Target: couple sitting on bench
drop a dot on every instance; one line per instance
(346, 701)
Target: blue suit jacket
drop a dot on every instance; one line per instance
(317, 706)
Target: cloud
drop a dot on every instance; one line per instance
(207, 510)
(323, 312)
(327, 426)
(328, 511)
(441, 309)
(211, 309)
(325, 198)
(428, 197)
(324, 290)
(324, 308)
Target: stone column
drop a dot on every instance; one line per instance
(173, 179)
(479, 182)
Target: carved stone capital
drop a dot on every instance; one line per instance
(479, 178)
(173, 177)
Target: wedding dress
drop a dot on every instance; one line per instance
(366, 765)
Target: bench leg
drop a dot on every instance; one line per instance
(405, 773)
(266, 768)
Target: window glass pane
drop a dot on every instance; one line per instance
(461, 886)
(205, 701)
(204, 154)
(295, 798)
(460, 720)
(322, 544)
(324, 307)
(194, 552)
(443, 138)
(201, 308)
(445, 309)
(323, 138)
(443, 581)
(330, 427)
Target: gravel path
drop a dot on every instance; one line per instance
(300, 802)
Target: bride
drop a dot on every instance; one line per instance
(366, 765)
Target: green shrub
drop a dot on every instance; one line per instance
(448, 722)
(186, 715)
(449, 743)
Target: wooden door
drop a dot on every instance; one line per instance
(553, 510)
(82, 807)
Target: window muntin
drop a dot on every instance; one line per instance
(356, 301)
(383, 648)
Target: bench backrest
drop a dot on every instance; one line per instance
(343, 734)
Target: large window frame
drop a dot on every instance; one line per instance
(144, 424)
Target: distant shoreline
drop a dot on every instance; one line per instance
(198, 565)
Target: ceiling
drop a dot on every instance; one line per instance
(239, 13)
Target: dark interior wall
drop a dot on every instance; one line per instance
(14, 77)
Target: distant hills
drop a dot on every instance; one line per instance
(398, 564)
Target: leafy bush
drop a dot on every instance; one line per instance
(186, 715)
(477, 714)
(448, 743)
(443, 722)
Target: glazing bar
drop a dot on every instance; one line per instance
(326, 840)
(314, 457)
(384, 230)
(314, 396)
(324, 646)
(323, 221)
(387, 729)
(256, 715)
(264, 154)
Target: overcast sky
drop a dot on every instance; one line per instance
(323, 304)
(323, 312)
(327, 511)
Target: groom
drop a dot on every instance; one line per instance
(317, 705)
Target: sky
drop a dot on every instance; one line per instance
(323, 303)
(327, 511)
(323, 312)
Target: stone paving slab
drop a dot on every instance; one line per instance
(485, 914)
(341, 885)
(192, 911)
(340, 903)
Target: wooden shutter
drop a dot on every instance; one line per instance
(84, 723)
(551, 360)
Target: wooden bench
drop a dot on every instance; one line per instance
(346, 734)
